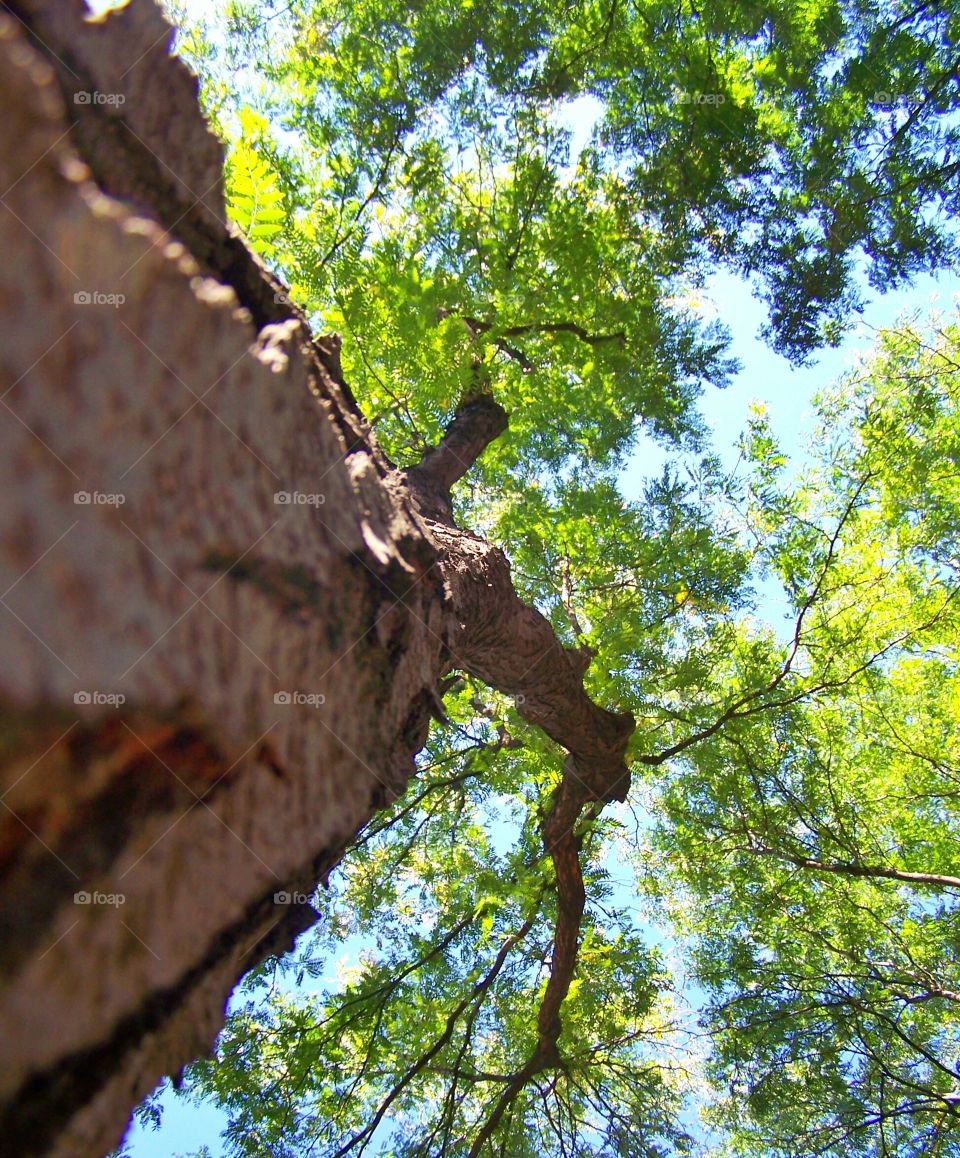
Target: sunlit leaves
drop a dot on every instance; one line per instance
(254, 199)
(820, 835)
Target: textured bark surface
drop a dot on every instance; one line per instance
(498, 638)
(198, 598)
(205, 690)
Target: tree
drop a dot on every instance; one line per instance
(822, 837)
(461, 239)
(501, 311)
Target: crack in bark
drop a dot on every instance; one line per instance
(30, 1121)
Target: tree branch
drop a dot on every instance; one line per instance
(513, 648)
(478, 990)
(560, 843)
(548, 328)
(477, 422)
(860, 870)
(510, 646)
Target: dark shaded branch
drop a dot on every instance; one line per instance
(560, 843)
(512, 352)
(578, 331)
(504, 1102)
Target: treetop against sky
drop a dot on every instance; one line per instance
(791, 823)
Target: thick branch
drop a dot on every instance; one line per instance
(560, 843)
(513, 648)
(477, 422)
(501, 641)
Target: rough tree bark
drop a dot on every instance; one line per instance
(206, 690)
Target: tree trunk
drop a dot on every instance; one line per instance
(225, 613)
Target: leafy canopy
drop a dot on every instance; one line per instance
(790, 843)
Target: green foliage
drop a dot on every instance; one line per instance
(810, 848)
(254, 199)
(792, 143)
(791, 840)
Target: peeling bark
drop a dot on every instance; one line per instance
(204, 792)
